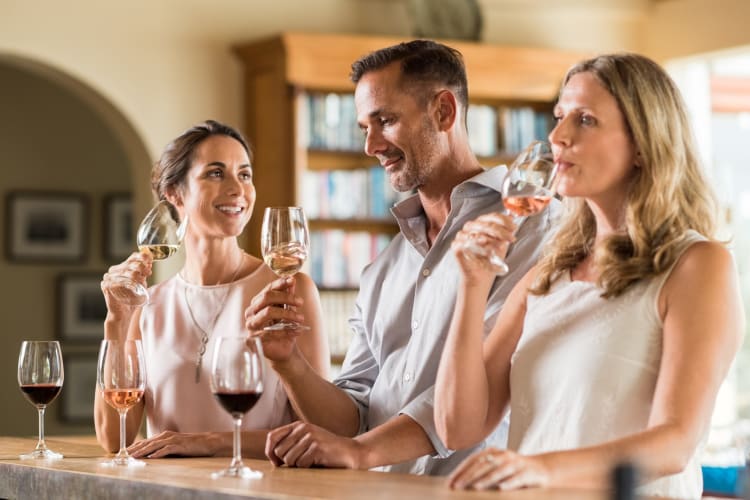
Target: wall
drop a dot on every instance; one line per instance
(679, 28)
(50, 140)
(154, 68)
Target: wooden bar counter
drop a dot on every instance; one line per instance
(80, 475)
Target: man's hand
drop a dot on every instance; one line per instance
(268, 307)
(300, 444)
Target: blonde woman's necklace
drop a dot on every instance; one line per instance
(206, 334)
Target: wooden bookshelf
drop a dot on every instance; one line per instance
(277, 68)
(281, 70)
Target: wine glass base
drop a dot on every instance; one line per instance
(123, 462)
(285, 325)
(241, 472)
(42, 455)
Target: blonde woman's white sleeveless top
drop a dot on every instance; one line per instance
(585, 369)
(171, 342)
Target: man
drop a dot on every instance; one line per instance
(411, 102)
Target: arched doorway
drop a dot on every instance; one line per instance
(58, 135)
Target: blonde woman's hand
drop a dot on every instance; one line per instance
(487, 235)
(500, 469)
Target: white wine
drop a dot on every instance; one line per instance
(160, 252)
(287, 259)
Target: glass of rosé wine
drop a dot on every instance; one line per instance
(527, 189)
(121, 378)
(40, 377)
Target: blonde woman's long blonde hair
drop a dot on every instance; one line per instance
(668, 196)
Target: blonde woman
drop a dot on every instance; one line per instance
(613, 347)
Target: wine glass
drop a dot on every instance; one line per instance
(284, 241)
(121, 378)
(40, 377)
(161, 235)
(237, 383)
(527, 189)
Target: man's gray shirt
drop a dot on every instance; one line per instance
(404, 308)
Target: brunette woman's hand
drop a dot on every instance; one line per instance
(136, 268)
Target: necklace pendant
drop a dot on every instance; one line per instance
(198, 369)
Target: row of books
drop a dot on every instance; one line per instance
(505, 130)
(337, 257)
(328, 121)
(345, 194)
(337, 306)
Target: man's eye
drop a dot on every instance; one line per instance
(215, 173)
(246, 176)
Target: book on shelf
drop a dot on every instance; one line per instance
(363, 193)
(327, 121)
(337, 257)
(338, 307)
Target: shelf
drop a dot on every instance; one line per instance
(322, 159)
(387, 226)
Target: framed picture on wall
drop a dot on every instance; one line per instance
(117, 227)
(45, 226)
(81, 309)
(77, 405)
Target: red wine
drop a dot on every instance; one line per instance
(238, 401)
(41, 394)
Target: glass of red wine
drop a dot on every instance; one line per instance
(527, 189)
(121, 378)
(237, 383)
(40, 377)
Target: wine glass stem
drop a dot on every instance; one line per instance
(123, 428)
(236, 447)
(40, 445)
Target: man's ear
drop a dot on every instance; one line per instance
(447, 109)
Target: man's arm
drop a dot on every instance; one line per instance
(301, 444)
(313, 398)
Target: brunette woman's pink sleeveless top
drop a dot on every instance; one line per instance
(171, 342)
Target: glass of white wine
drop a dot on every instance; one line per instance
(121, 378)
(161, 235)
(527, 189)
(284, 242)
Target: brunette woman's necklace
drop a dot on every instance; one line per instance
(206, 335)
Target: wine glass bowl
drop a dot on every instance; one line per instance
(40, 378)
(529, 185)
(237, 384)
(160, 234)
(121, 378)
(284, 243)
(527, 189)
